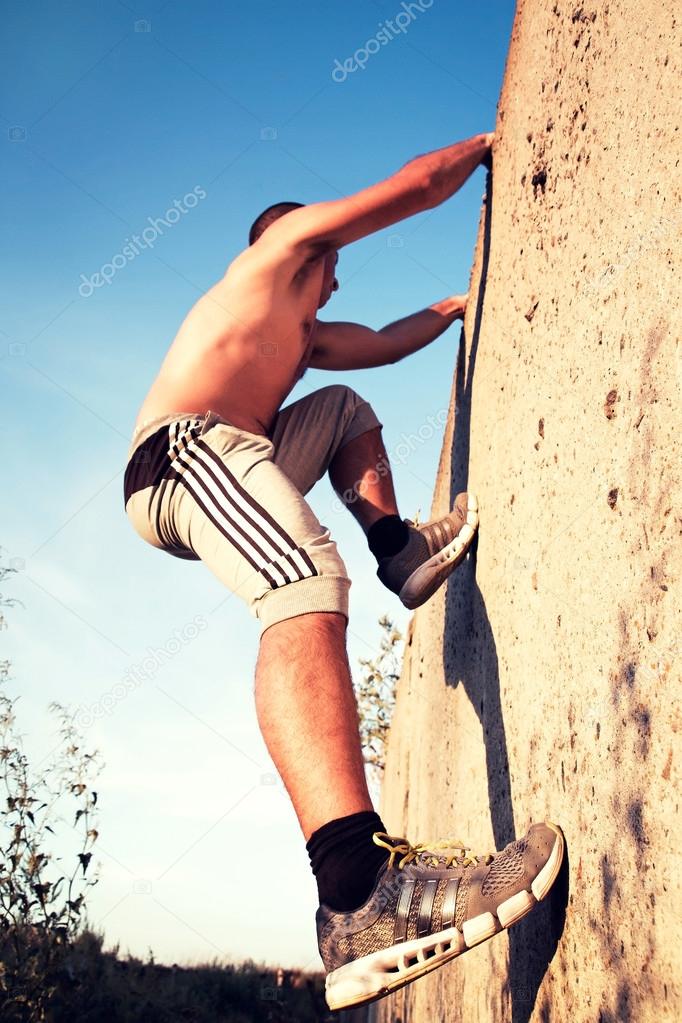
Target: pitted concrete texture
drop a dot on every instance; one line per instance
(544, 681)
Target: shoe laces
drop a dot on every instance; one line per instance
(415, 523)
(404, 852)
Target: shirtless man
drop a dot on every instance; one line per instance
(217, 472)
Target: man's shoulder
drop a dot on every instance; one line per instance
(243, 262)
(273, 258)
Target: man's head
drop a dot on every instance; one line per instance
(273, 213)
(269, 216)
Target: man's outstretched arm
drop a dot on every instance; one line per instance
(421, 184)
(351, 346)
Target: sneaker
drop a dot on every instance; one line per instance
(428, 907)
(432, 552)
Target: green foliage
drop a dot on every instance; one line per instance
(41, 901)
(89, 985)
(99, 986)
(375, 691)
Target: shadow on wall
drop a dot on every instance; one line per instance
(470, 660)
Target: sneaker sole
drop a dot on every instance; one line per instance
(376, 975)
(426, 579)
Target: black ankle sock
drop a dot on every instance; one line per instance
(345, 860)
(387, 536)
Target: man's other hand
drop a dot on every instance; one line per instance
(455, 306)
(487, 160)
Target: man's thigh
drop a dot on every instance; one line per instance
(235, 509)
(308, 433)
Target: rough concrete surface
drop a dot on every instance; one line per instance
(544, 682)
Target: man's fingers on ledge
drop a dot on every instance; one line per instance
(487, 160)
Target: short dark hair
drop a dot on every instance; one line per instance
(269, 216)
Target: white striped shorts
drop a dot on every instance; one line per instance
(199, 488)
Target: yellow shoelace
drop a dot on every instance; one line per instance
(400, 847)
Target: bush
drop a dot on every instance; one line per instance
(41, 905)
(375, 692)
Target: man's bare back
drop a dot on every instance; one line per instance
(244, 344)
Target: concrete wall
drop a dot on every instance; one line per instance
(545, 681)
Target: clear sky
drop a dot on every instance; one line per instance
(112, 112)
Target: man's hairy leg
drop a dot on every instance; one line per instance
(361, 475)
(308, 716)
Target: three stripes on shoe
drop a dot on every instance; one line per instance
(246, 524)
(424, 922)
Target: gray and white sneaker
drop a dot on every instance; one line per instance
(427, 907)
(432, 552)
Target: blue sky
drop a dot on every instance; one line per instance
(112, 111)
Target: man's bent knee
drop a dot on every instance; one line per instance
(341, 398)
(346, 407)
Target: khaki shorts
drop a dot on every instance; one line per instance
(199, 488)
